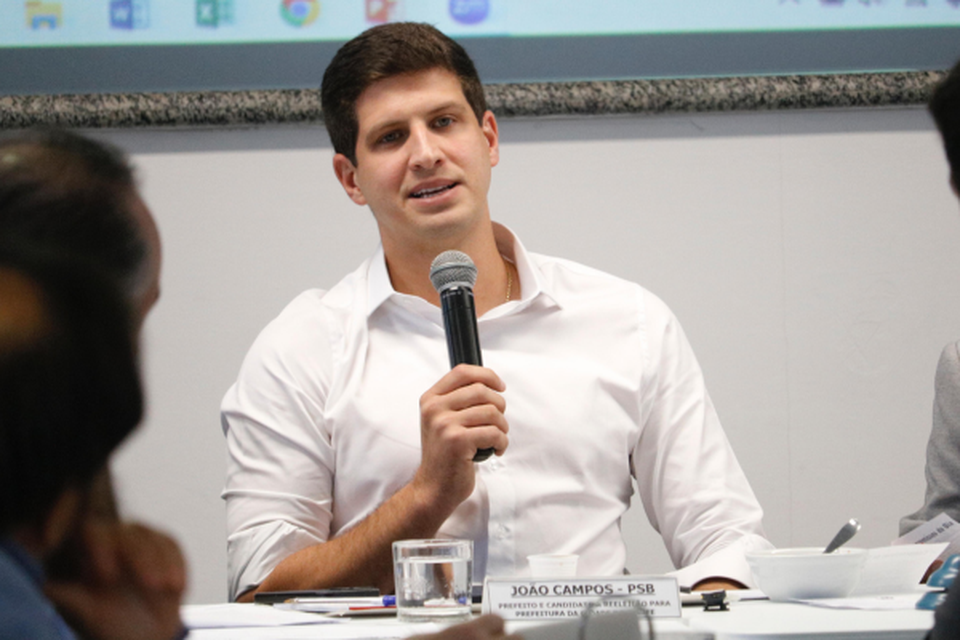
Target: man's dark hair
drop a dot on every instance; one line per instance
(945, 108)
(383, 52)
(69, 382)
(71, 195)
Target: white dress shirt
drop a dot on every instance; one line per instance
(602, 387)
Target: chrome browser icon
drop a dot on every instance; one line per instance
(300, 13)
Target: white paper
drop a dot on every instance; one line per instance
(350, 631)
(896, 569)
(896, 602)
(232, 615)
(940, 529)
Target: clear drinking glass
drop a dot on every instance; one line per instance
(433, 579)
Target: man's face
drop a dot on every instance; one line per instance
(423, 160)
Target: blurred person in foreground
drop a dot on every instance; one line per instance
(71, 203)
(71, 196)
(69, 394)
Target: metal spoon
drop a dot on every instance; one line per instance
(846, 532)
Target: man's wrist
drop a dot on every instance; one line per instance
(427, 503)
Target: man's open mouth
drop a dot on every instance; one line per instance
(433, 191)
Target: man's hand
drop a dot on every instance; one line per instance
(488, 627)
(463, 412)
(131, 579)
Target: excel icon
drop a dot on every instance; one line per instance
(214, 13)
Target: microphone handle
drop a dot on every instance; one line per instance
(463, 340)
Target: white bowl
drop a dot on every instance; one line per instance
(806, 572)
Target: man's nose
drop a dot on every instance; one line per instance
(425, 151)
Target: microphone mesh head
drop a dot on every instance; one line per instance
(452, 268)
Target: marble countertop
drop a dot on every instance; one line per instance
(249, 108)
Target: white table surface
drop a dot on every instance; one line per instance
(748, 620)
(761, 620)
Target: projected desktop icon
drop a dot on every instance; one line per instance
(300, 13)
(469, 11)
(43, 15)
(129, 14)
(214, 13)
(381, 11)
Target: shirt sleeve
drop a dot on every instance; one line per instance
(943, 448)
(691, 485)
(280, 462)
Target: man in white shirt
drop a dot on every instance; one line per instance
(331, 458)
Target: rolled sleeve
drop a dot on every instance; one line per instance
(280, 462)
(692, 487)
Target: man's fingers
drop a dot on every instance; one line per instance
(466, 374)
(490, 623)
(100, 540)
(486, 627)
(71, 598)
(154, 558)
(480, 416)
(475, 394)
(486, 438)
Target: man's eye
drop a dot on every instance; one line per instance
(389, 138)
(444, 121)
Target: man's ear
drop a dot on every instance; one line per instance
(492, 134)
(346, 173)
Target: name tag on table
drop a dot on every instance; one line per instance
(546, 598)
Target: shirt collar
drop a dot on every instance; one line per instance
(532, 285)
(379, 287)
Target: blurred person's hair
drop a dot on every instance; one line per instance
(69, 381)
(945, 109)
(383, 52)
(68, 194)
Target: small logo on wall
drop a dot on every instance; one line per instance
(44, 15)
(129, 14)
(381, 11)
(469, 11)
(300, 13)
(214, 13)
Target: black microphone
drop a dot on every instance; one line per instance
(453, 275)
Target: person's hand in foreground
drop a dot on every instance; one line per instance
(130, 580)
(487, 627)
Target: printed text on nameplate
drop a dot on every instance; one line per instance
(545, 598)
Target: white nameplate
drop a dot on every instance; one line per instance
(546, 598)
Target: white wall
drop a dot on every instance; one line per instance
(811, 256)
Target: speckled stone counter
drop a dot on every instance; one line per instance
(249, 108)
